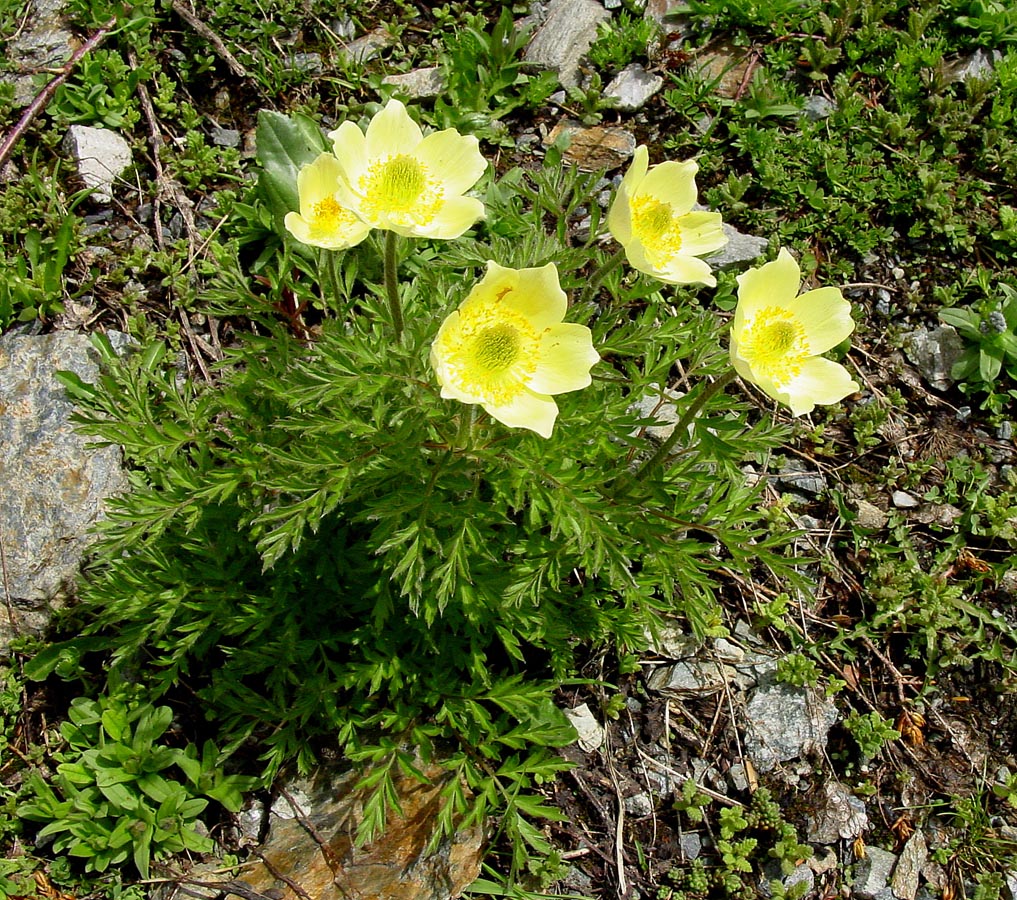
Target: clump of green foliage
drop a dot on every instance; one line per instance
(114, 797)
(747, 839)
(330, 553)
(620, 41)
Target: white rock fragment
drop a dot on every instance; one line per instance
(101, 157)
(419, 84)
(590, 731)
(632, 87)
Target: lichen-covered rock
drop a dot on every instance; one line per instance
(783, 723)
(311, 842)
(565, 36)
(53, 485)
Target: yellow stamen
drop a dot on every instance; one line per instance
(493, 351)
(774, 345)
(656, 227)
(401, 188)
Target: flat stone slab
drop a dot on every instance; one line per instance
(54, 485)
(565, 36)
(101, 157)
(593, 149)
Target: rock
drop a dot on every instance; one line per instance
(639, 806)
(673, 640)
(590, 731)
(784, 722)
(667, 14)
(418, 84)
(839, 815)
(397, 865)
(101, 157)
(942, 514)
(818, 107)
(934, 353)
(870, 516)
(739, 249)
(661, 408)
(225, 137)
(795, 475)
(309, 63)
(366, 47)
(47, 43)
(903, 500)
(592, 149)
(727, 65)
(872, 874)
(979, 64)
(909, 865)
(691, 844)
(54, 485)
(691, 676)
(564, 37)
(632, 87)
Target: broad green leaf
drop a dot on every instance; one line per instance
(285, 145)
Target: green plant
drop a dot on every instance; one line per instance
(990, 327)
(621, 40)
(871, 732)
(798, 669)
(112, 797)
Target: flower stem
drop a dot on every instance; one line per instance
(392, 283)
(681, 428)
(601, 273)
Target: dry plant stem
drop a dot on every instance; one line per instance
(204, 31)
(392, 283)
(46, 94)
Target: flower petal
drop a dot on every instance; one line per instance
(820, 381)
(537, 295)
(773, 284)
(682, 269)
(316, 181)
(672, 182)
(452, 159)
(456, 215)
(392, 132)
(702, 232)
(536, 412)
(350, 148)
(825, 315)
(566, 357)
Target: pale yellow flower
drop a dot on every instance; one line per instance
(507, 348)
(652, 218)
(323, 221)
(395, 178)
(778, 334)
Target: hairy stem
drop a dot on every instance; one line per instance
(392, 283)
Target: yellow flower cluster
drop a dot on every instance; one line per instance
(506, 347)
(390, 178)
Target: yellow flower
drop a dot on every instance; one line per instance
(395, 178)
(777, 336)
(507, 348)
(652, 218)
(323, 221)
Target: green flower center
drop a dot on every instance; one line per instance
(656, 228)
(400, 188)
(492, 352)
(774, 345)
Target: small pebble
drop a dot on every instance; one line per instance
(903, 500)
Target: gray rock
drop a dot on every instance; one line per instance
(739, 249)
(639, 806)
(565, 36)
(934, 353)
(690, 676)
(903, 500)
(784, 722)
(592, 149)
(691, 844)
(47, 43)
(979, 64)
(1011, 883)
(418, 84)
(308, 63)
(632, 87)
(818, 107)
(367, 46)
(872, 874)
(839, 815)
(795, 475)
(225, 137)
(667, 14)
(909, 866)
(590, 731)
(672, 641)
(101, 157)
(870, 516)
(661, 409)
(54, 485)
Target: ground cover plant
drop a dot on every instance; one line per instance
(415, 494)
